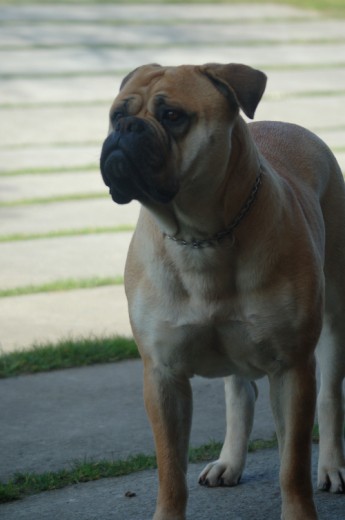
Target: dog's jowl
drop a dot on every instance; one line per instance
(236, 268)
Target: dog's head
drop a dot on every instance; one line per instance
(168, 123)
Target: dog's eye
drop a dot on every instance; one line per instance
(172, 115)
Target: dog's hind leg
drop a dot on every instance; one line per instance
(331, 357)
(331, 349)
(240, 396)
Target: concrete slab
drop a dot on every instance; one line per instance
(232, 32)
(145, 13)
(80, 89)
(319, 112)
(72, 126)
(23, 187)
(58, 216)
(35, 262)
(38, 156)
(49, 317)
(66, 157)
(46, 417)
(308, 82)
(78, 125)
(86, 89)
(52, 419)
(99, 60)
(341, 159)
(334, 138)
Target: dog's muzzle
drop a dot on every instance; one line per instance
(134, 163)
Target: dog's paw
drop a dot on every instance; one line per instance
(220, 473)
(331, 479)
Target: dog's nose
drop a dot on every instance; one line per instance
(130, 125)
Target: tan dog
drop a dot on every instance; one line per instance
(239, 228)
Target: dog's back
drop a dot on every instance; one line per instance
(305, 161)
(299, 155)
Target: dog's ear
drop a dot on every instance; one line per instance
(241, 82)
(131, 74)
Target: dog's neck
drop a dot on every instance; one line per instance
(217, 209)
(225, 234)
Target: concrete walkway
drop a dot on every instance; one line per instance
(60, 67)
(94, 413)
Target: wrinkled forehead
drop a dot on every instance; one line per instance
(185, 83)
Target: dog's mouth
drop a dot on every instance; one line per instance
(116, 175)
(134, 165)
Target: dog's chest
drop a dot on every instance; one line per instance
(218, 336)
(242, 335)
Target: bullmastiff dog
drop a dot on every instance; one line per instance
(236, 269)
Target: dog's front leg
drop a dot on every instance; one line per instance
(293, 397)
(168, 401)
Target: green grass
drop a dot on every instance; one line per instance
(58, 169)
(234, 42)
(284, 95)
(23, 484)
(15, 237)
(67, 353)
(69, 284)
(88, 73)
(73, 197)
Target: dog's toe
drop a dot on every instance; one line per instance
(219, 473)
(332, 480)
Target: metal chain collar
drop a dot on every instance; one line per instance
(227, 233)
